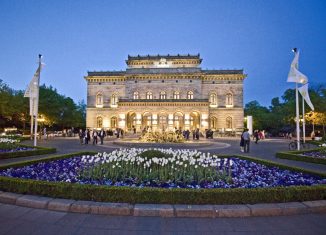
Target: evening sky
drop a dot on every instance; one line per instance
(79, 36)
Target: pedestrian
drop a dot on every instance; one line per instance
(256, 136)
(94, 137)
(87, 136)
(118, 132)
(81, 136)
(44, 134)
(102, 135)
(242, 142)
(197, 134)
(187, 134)
(193, 134)
(246, 141)
(134, 129)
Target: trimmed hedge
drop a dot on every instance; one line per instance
(296, 156)
(37, 151)
(160, 195)
(315, 142)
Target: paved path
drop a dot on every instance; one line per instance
(22, 220)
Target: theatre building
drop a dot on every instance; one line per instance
(164, 92)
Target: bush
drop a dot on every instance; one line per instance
(297, 156)
(160, 195)
(149, 154)
(37, 151)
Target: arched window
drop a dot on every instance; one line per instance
(99, 100)
(229, 122)
(178, 120)
(190, 95)
(99, 122)
(136, 95)
(149, 95)
(229, 100)
(213, 99)
(176, 95)
(114, 100)
(114, 122)
(162, 95)
(213, 123)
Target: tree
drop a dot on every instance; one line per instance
(259, 113)
(57, 110)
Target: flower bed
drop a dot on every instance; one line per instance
(256, 191)
(19, 150)
(315, 156)
(179, 169)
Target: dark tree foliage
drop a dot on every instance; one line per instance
(57, 111)
(280, 116)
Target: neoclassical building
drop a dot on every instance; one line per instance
(165, 92)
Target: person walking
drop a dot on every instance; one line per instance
(197, 134)
(242, 142)
(87, 136)
(81, 136)
(102, 135)
(94, 137)
(246, 139)
(256, 136)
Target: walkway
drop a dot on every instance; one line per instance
(22, 220)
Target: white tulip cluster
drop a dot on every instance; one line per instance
(8, 141)
(191, 165)
(182, 157)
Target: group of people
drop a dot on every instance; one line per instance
(245, 139)
(86, 136)
(258, 135)
(186, 133)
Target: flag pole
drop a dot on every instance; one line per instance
(36, 99)
(303, 122)
(32, 122)
(297, 107)
(297, 115)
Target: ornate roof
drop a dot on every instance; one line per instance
(106, 73)
(162, 70)
(223, 71)
(158, 57)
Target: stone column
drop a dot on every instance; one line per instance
(122, 121)
(170, 122)
(154, 122)
(204, 121)
(138, 122)
(187, 121)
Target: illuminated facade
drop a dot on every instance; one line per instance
(165, 92)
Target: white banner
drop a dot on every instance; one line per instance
(305, 94)
(295, 75)
(31, 90)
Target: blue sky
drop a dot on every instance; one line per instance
(80, 36)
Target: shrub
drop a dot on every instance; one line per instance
(149, 154)
(37, 151)
(297, 156)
